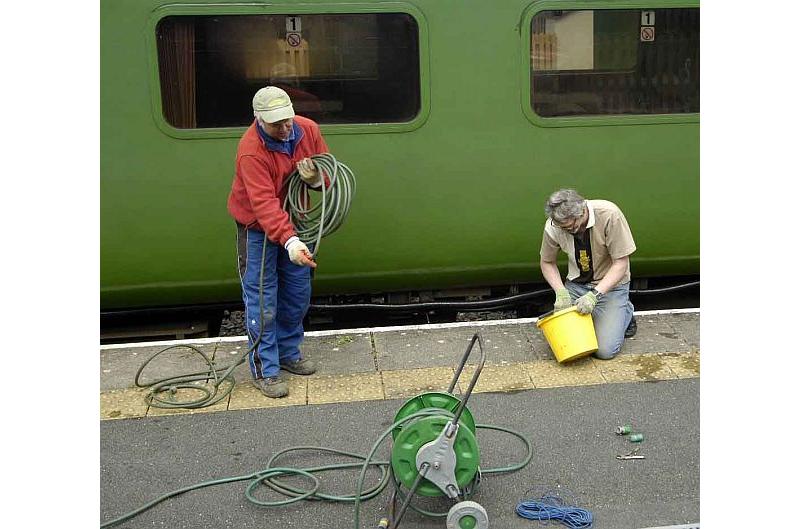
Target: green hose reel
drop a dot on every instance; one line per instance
(422, 430)
(435, 450)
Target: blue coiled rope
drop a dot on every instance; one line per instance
(552, 508)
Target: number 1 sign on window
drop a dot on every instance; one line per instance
(293, 25)
(648, 18)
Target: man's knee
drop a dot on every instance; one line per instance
(603, 354)
(294, 309)
(606, 350)
(266, 319)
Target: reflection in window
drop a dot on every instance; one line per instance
(600, 62)
(347, 68)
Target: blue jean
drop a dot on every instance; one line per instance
(611, 316)
(286, 297)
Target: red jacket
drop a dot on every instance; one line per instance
(257, 194)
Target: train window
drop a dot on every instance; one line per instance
(604, 62)
(337, 68)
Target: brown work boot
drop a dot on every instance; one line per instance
(304, 366)
(272, 387)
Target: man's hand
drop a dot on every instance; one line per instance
(298, 253)
(309, 172)
(563, 300)
(586, 303)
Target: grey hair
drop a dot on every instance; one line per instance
(564, 205)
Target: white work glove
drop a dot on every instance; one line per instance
(309, 172)
(298, 252)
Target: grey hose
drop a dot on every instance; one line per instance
(313, 222)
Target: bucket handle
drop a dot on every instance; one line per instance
(546, 314)
(475, 338)
(551, 312)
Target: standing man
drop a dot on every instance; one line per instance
(274, 145)
(597, 240)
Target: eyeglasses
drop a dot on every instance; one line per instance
(571, 226)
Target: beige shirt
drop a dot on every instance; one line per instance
(610, 238)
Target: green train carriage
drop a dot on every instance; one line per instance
(457, 117)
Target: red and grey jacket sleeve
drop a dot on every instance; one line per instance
(320, 147)
(264, 200)
(319, 142)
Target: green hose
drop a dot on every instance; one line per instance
(269, 475)
(312, 223)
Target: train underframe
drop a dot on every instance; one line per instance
(389, 308)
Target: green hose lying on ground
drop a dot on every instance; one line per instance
(269, 475)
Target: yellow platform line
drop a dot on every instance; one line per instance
(391, 384)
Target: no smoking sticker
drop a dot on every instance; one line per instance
(647, 34)
(293, 39)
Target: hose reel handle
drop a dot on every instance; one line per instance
(475, 338)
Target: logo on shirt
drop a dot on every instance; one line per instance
(583, 260)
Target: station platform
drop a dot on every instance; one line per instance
(399, 362)
(567, 412)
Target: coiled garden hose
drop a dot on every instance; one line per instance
(213, 394)
(269, 476)
(312, 223)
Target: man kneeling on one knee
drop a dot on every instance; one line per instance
(597, 240)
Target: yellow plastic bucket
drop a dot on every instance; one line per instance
(569, 333)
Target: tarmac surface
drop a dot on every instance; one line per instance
(568, 412)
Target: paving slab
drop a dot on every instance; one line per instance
(123, 403)
(686, 365)
(632, 368)
(344, 388)
(540, 348)
(420, 348)
(505, 344)
(551, 374)
(496, 379)
(412, 382)
(341, 353)
(688, 328)
(654, 335)
(232, 352)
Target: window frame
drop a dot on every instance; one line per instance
(295, 9)
(526, 85)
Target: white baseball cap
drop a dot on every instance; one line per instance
(272, 104)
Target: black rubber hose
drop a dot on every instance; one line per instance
(483, 304)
